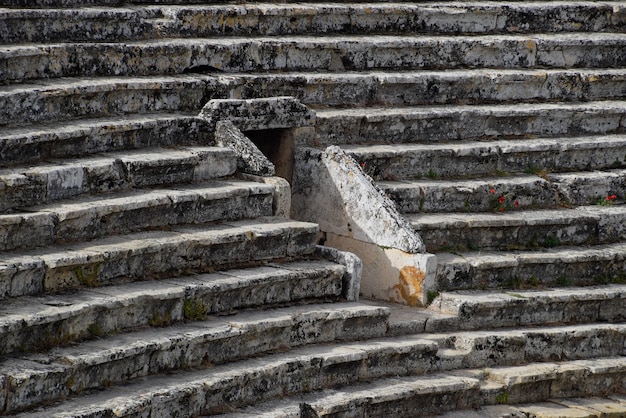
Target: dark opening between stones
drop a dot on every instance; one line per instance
(278, 146)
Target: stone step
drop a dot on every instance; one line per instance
(82, 97)
(529, 229)
(154, 254)
(133, 23)
(473, 195)
(40, 184)
(100, 363)
(453, 123)
(454, 311)
(39, 323)
(561, 266)
(613, 406)
(508, 193)
(92, 217)
(226, 386)
(485, 158)
(104, 96)
(308, 53)
(465, 389)
(80, 138)
(459, 350)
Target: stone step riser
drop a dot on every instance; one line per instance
(470, 389)
(159, 209)
(534, 230)
(480, 196)
(189, 93)
(507, 194)
(305, 54)
(133, 24)
(147, 255)
(80, 139)
(480, 122)
(108, 97)
(65, 374)
(488, 158)
(519, 308)
(37, 324)
(475, 350)
(575, 267)
(313, 369)
(48, 183)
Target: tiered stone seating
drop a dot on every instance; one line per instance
(142, 275)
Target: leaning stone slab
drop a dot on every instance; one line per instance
(258, 114)
(332, 190)
(250, 159)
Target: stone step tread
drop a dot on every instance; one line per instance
(401, 124)
(561, 216)
(378, 113)
(487, 259)
(480, 158)
(587, 38)
(34, 322)
(531, 229)
(267, 17)
(337, 362)
(61, 179)
(461, 390)
(153, 253)
(507, 193)
(592, 407)
(475, 309)
(216, 340)
(104, 96)
(490, 309)
(87, 84)
(90, 217)
(308, 52)
(31, 143)
(558, 266)
(485, 147)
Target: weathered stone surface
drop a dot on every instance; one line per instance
(258, 114)
(479, 195)
(50, 182)
(250, 159)
(531, 229)
(477, 309)
(127, 356)
(93, 217)
(301, 53)
(388, 162)
(149, 254)
(279, 19)
(81, 138)
(453, 123)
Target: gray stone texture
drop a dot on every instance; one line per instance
(144, 273)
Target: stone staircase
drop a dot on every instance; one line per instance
(142, 274)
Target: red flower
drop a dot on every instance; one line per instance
(501, 209)
(516, 203)
(362, 165)
(492, 191)
(501, 199)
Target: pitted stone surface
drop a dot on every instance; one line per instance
(258, 114)
(250, 159)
